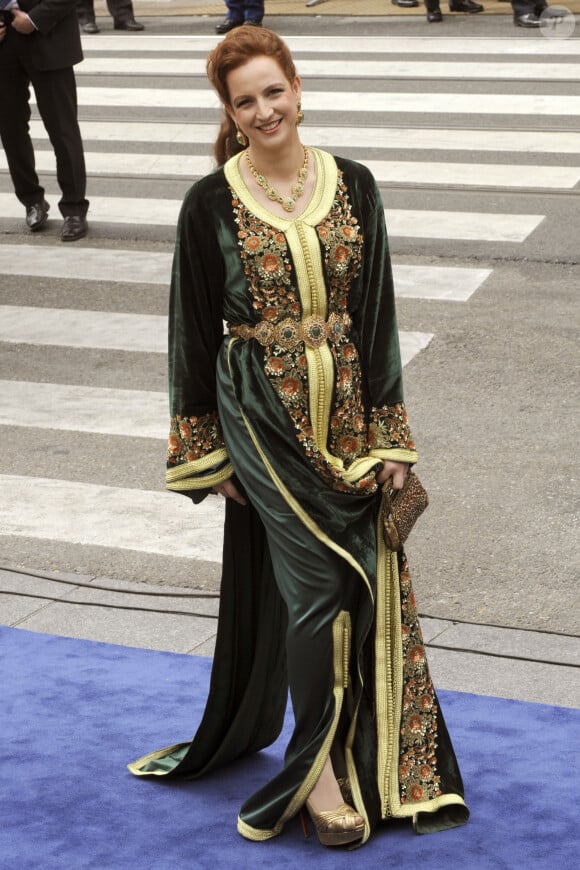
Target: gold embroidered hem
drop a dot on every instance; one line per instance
(146, 765)
(255, 834)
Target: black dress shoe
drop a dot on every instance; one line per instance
(90, 27)
(253, 22)
(74, 227)
(434, 16)
(228, 25)
(129, 24)
(37, 215)
(405, 4)
(464, 6)
(527, 20)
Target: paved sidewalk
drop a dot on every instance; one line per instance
(360, 9)
(329, 18)
(486, 660)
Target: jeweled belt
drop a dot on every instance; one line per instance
(313, 331)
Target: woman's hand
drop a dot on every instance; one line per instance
(396, 470)
(229, 490)
(2, 30)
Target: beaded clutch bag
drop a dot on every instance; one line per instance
(400, 510)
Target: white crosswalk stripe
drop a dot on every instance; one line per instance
(340, 102)
(346, 46)
(327, 68)
(385, 171)
(409, 223)
(435, 139)
(109, 516)
(83, 409)
(415, 282)
(168, 142)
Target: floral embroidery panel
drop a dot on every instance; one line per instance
(190, 438)
(418, 777)
(275, 298)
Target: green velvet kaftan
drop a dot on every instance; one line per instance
(303, 401)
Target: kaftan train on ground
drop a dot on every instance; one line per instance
(303, 401)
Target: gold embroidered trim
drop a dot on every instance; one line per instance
(386, 670)
(204, 481)
(312, 330)
(136, 766)
(255, 834)
(191, 475)
(432, 806)
(355, 788)
(197, 466)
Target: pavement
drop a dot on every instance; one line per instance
(538, 666)
(310, 9)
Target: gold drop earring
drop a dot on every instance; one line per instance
(300, 113)
(240, 138)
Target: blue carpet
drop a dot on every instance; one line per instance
(74, 712)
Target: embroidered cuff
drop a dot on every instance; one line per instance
(192, 438)
(389, 428)
(189, 476)
(196, 454)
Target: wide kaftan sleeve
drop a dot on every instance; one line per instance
(197, 457)
(375, 321)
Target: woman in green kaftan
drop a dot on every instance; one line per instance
(296, 415)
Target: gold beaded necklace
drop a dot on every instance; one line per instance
(288, 203)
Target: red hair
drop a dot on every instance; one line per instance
(240, 46)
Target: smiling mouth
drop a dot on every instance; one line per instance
(267, 128)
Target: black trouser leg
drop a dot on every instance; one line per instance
(57, 103)
(85, 11)
(121, 10)
(14, 125)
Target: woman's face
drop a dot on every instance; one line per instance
(263, 103)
